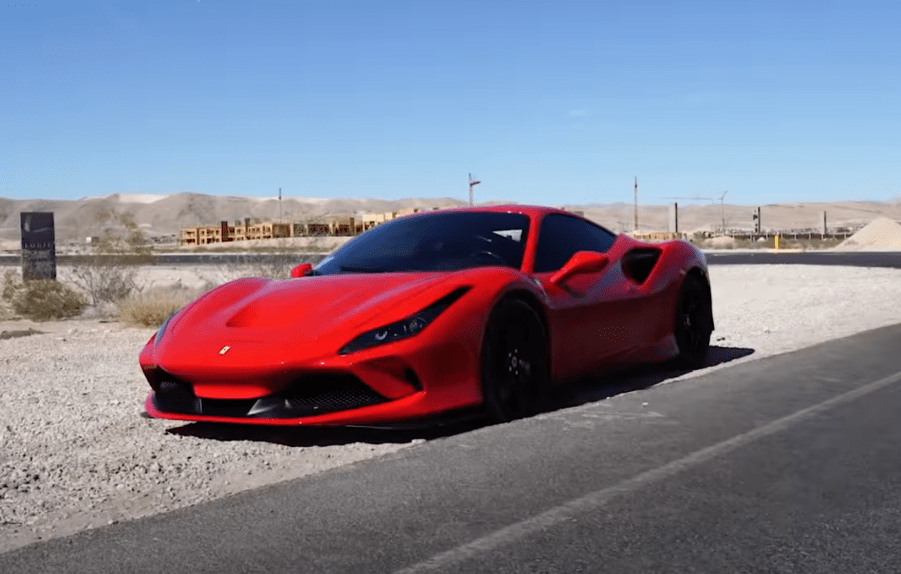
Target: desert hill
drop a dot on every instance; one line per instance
(775, 217)
(162, 215)
(167, 214)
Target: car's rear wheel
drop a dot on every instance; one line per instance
(515, 367)
(694, 322)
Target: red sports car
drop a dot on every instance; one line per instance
(429, 313)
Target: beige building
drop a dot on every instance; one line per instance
(244, 231)
(204, 235)
(370, 220)
(310, 229)
(267, 230)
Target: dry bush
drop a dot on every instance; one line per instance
(10, 284)
(7, 289)
(273, 261)
(277, 262)
(110, 271)
(42, 299)
(151, 308)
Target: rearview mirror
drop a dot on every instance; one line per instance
(301, 270)
(581, 262)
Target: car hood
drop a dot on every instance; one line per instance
(246, 338)
(311, 306)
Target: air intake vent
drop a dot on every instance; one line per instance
(175, 396)
(307, 396)
(316, 395)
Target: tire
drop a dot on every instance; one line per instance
(514, 364)
(694, 322)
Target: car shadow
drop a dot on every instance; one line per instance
(455, 423)
(612, 383)
(582, 391)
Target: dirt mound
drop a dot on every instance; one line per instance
(722, 242)
(881, 234)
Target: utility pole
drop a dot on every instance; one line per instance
(723, 207)
(673, 216)
(472, 183)
(279, 205)
(636, 203)
(711, 200)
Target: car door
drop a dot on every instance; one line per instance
(592, 313)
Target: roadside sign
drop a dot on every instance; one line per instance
(38, 246)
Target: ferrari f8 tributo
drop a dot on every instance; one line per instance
(429, 313)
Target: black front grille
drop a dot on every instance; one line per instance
(307, 396)
(175, 396)
(328, 394)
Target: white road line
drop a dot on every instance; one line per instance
(599, 498)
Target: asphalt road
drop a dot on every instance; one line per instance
(762, 257)
(193, 258)
(787, 464)
(847, 258)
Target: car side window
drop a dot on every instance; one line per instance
(562, 235)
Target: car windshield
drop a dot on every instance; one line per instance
(440, 241)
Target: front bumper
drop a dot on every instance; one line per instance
(406, 380)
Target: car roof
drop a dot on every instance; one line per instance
(533, 211)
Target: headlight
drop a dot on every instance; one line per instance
(404, 328)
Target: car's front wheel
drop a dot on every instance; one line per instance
(515, 368)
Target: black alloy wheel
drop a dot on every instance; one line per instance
(694, 322)
(515, 365)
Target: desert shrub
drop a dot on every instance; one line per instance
(273, 261)
(10, 284)
(7, 290)
(110, 271)
(43, 299)
(151, 308)
(276, 265)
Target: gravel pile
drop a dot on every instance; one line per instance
(881, 234)
(75, 451)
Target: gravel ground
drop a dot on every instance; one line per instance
(77, 453)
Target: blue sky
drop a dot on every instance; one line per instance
(547, 102)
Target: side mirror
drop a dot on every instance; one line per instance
(301, 270)
(581, 262)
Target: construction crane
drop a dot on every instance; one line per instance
(696, 198)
